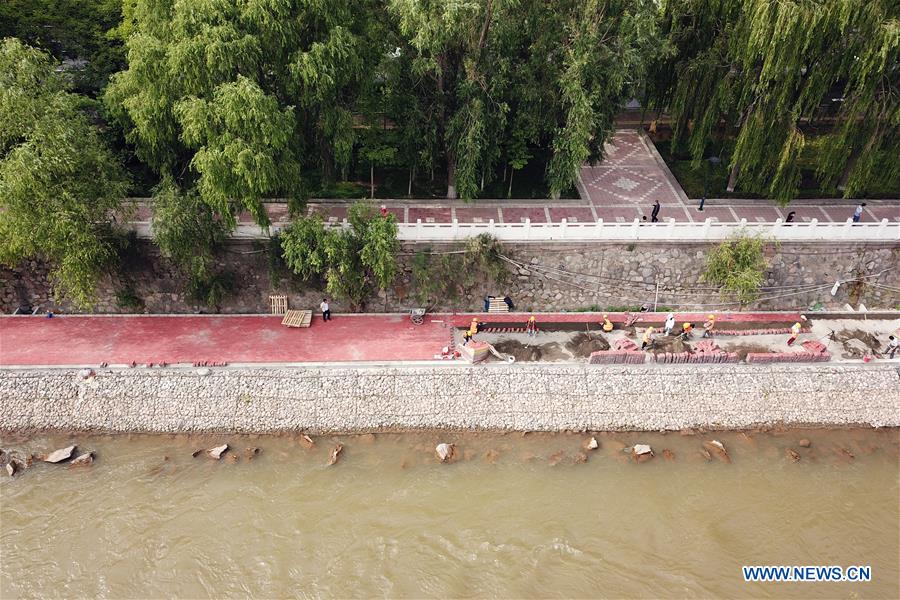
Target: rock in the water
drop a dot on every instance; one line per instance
(60, 455)
(444, 451)
(11, 468)
(217, 452)
(231, 457)
(196, 453)
(83, 460)
(335, 453)
(250, 453)
(491, 456)
(86, 373)
(668, 454)
(592, 444)
(581, 458)
(717, 449)
(641, 452)
(792, 454)
(805, 443)
(307, 441)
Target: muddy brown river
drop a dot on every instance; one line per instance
(515, 516)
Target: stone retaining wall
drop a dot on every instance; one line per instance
(501, 397)
(554, 276)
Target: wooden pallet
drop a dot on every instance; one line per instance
(497, 305)
(278, 304)
(297, 318)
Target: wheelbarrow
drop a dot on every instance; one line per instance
(417, 315)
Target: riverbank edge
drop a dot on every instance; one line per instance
(557, 397)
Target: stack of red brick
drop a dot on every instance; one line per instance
(624, 351)
(705, 351)
(813, 351)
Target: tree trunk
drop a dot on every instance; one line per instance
(482, 181)
(412, 173)
(505, 165)
(372, 179)
(509, 192)
(733, 177)
(451, 178)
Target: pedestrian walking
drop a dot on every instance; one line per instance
(654, 214)
(857, 214)
(326, 310)
(670, 323)
(647, 339)
(607, 324)
(531, 327)
(892, 347)
(795, 331)
(790, 217)
(709, 325)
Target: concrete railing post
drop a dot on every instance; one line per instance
(454, 230)
(881, 232)
(599, 231)
(707, 226)
(636, 229)
(670, 230)
(420, 235)
(527, 228)
(562, 228)
(813, 232)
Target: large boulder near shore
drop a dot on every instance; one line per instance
(445, 451)
(217, 452)
(84, 460)
(641, 452)
(60, 455)
(717, 449)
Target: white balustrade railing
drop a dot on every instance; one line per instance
(601, 231)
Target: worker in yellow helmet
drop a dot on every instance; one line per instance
(795, 331)
(531, 326)
(687, 330)
(709, 325)
(648, 338)
(607, 324)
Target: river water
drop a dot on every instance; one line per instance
(516, 516)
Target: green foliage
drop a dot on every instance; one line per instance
(765, 69)
(483, 260)
(78, 31)
(738, 266)
(188, 232)
(350, 260)
(128, 299)
(435, 277)
(59, 183)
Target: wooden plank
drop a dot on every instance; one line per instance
(297, 318)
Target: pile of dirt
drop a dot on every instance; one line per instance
(582, 344)
(531, 353)
(856, 342)
(520, 351)
(669, 343)
(743, 350)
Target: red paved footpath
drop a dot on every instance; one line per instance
(77, 340)
(81, 340)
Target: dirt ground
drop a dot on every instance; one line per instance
(847, 340)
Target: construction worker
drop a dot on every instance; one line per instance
(648, 338)
(607, 324)
(531, 327)
(795, 331)
(687, 330)
(670, 323)
(709, 325)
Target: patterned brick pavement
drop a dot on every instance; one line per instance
(621, 188)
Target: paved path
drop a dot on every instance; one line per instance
(620, 189)
(119, 340)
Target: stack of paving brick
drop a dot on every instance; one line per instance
(705, 351)
(624, 351)
(813, 351)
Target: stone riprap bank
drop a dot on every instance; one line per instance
(518, 397)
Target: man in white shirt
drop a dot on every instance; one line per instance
(326, 310)
(857, 214)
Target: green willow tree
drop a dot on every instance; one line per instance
(234, 98)
(738, 266)
(349, 260)
(761, 70)
(60, 186)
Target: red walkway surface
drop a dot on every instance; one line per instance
(83, 340)
(69, 340)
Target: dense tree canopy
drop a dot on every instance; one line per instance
(760, 70)
(59, 183)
